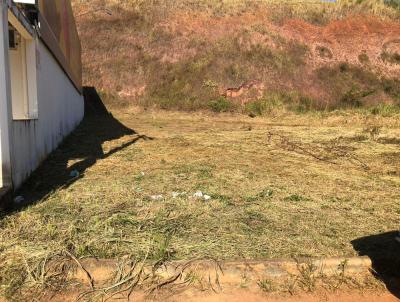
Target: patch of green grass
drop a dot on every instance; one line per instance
(224, 199)
(265, 105)
(392, 87)
(253, 222)
(205, 173)
(349, 85)
(385, 110)
(267, 285)
(393, 3)
(264, 194)
(308, 277)
(12, 278)
(221, 104)
(275, 101)
(296, 198)
(162, 251)
(352, 98)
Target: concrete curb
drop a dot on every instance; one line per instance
(232, 273)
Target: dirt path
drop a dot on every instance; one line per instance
(243, 295)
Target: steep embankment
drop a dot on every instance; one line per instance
(253, 56)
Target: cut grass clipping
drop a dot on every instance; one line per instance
(287, 188)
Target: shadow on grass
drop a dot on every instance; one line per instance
(384, 252)
(83, 147)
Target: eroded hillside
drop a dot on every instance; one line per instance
(255, 56)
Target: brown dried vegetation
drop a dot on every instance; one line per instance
(185, 54)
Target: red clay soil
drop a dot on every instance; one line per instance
(346, 38)
(243, 295)
(358, 40)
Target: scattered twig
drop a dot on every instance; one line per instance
(129, 278)
(89, 277)
(319, 152)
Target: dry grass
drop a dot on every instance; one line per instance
(283, 186)
(309, 10)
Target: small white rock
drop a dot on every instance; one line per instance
(198, 194)
(207, 197)
(142, 173)
(156, 197)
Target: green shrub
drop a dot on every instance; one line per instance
(353, 97)
(265, 105)
(221, 104)
(393, 3)
(304, 104)
(385, 109)
(291, 101)
(297, 102)
(255, 108)
(392, 87)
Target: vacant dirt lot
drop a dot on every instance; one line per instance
(279, 187)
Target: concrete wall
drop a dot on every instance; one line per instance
(60, 109)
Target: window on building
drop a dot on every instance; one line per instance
(22, 54)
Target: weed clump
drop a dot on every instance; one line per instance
(324, 52)
(221, 104)
(295, 198)
(274, 101)
(393, 3)
(385, 110)
(393, 58)
(352, 98)
(363, 58)
(266, 285)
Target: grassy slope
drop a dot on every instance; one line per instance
(183, 54)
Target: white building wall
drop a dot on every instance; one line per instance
(18, 78)
(5, 101)
(60, 110)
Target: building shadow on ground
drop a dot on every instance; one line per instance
(79, 151)
(384, 252)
